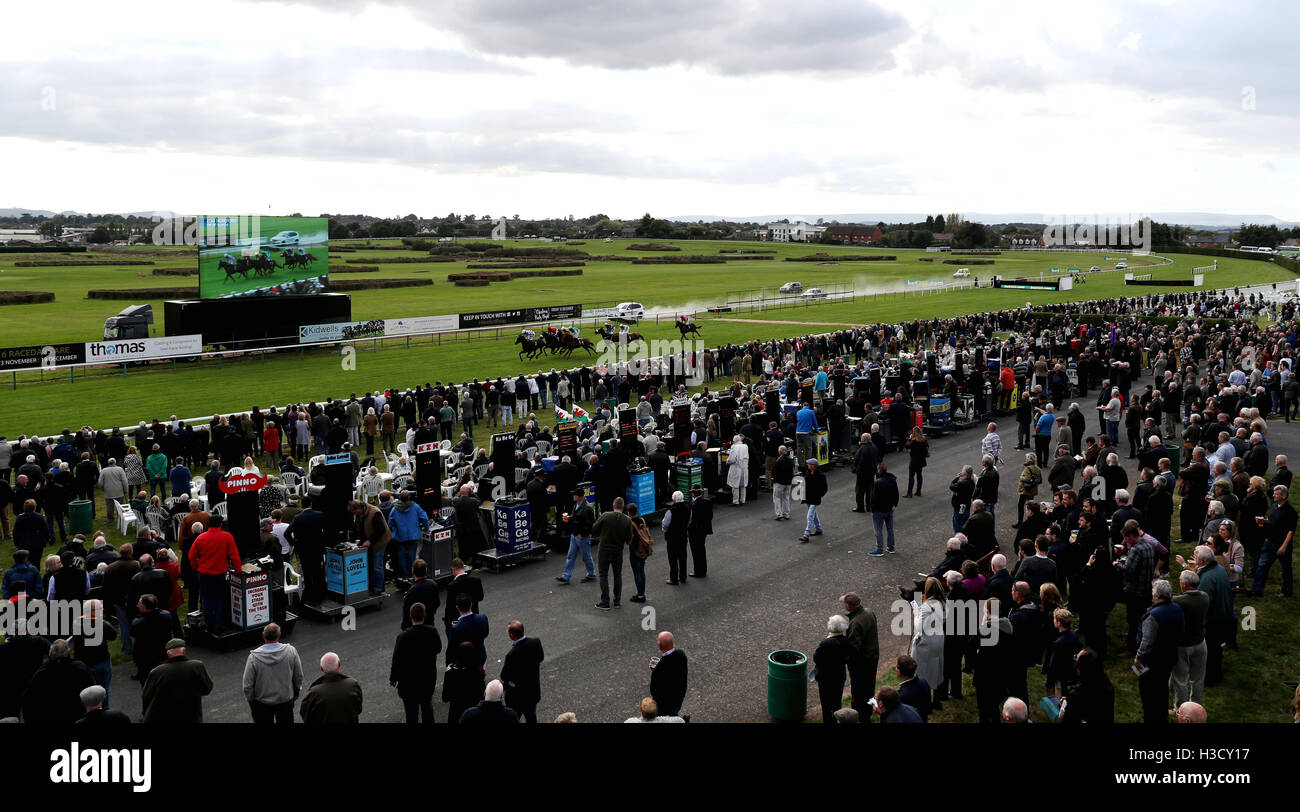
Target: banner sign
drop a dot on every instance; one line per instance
(15, 359)
(419, 325)
(520, 315)
(337, 459)
(340, 331)
(142, 349)
(243, 483)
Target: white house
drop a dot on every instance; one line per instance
(798, 231)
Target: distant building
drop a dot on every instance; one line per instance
(628, 233)
(942, 238)
(854, 235)
(1026, 242)
(798, 231)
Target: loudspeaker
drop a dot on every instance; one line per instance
(873, 386)
(503, 458)
(428, 478)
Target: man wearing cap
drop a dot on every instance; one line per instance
(174, 691)
(212, 552)
(814, 490)
(581, 520)
(92, 699)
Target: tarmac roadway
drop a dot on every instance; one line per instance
(764, 591)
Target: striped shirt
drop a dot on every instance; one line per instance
(992, 445)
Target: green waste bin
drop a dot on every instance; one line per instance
(81, 516)
(787, 685)
(1173, 452)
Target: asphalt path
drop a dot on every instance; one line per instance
(764, 591)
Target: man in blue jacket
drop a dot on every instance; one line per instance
(805, 425)
(408, 522)
(470, 627)
(22, 570)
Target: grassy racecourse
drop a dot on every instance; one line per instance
(45, 402)
(1252, 690)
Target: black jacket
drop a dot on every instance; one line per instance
(422, 590)
(884, 493)
(702, 515)
(986, 487)
(53, 697)
(521, 672)
(415, 662)
(668, 681)
(783, 470)
(469, 584)
(815, 487)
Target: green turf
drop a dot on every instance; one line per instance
(46, 402)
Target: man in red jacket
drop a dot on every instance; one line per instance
(210, 553)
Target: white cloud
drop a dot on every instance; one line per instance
(736, 107)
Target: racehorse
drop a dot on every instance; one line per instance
(687, 327)
(531, 347)
(571, 342)
(613, 336)
(232, 268)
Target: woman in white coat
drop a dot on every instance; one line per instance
(927, 639)
(738, 469)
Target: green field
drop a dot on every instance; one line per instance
(46, 402)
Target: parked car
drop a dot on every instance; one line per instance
(792, 287)
(629, 310)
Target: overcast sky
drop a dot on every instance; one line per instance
(733, 107)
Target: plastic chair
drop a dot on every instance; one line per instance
(220, 509)
(125, 517)
(445, 446)
(544, 448)
(291, 481)
(292, 590)
(369, 488)
(402, 483)
(157, 518)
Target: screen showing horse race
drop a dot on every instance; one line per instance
(251, 255)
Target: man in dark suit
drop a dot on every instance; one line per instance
(306, 533)
(423, 590)
(668, 677)
(979, 530)
(865, 461)
(699, 529)
(914, 690)
(470, 627)
(999, 585)
(986, 486)
(1036, 568)
(521, 672)
(461, 582)
(414, 671)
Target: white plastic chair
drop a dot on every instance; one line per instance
(369, 488)
(445, 446)
(125, 517)
(403, 449)
(292, 590)
(291, 481)
(544, 448)
(220, 509)
(406, 482)
(480, 471)
(156, 518)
